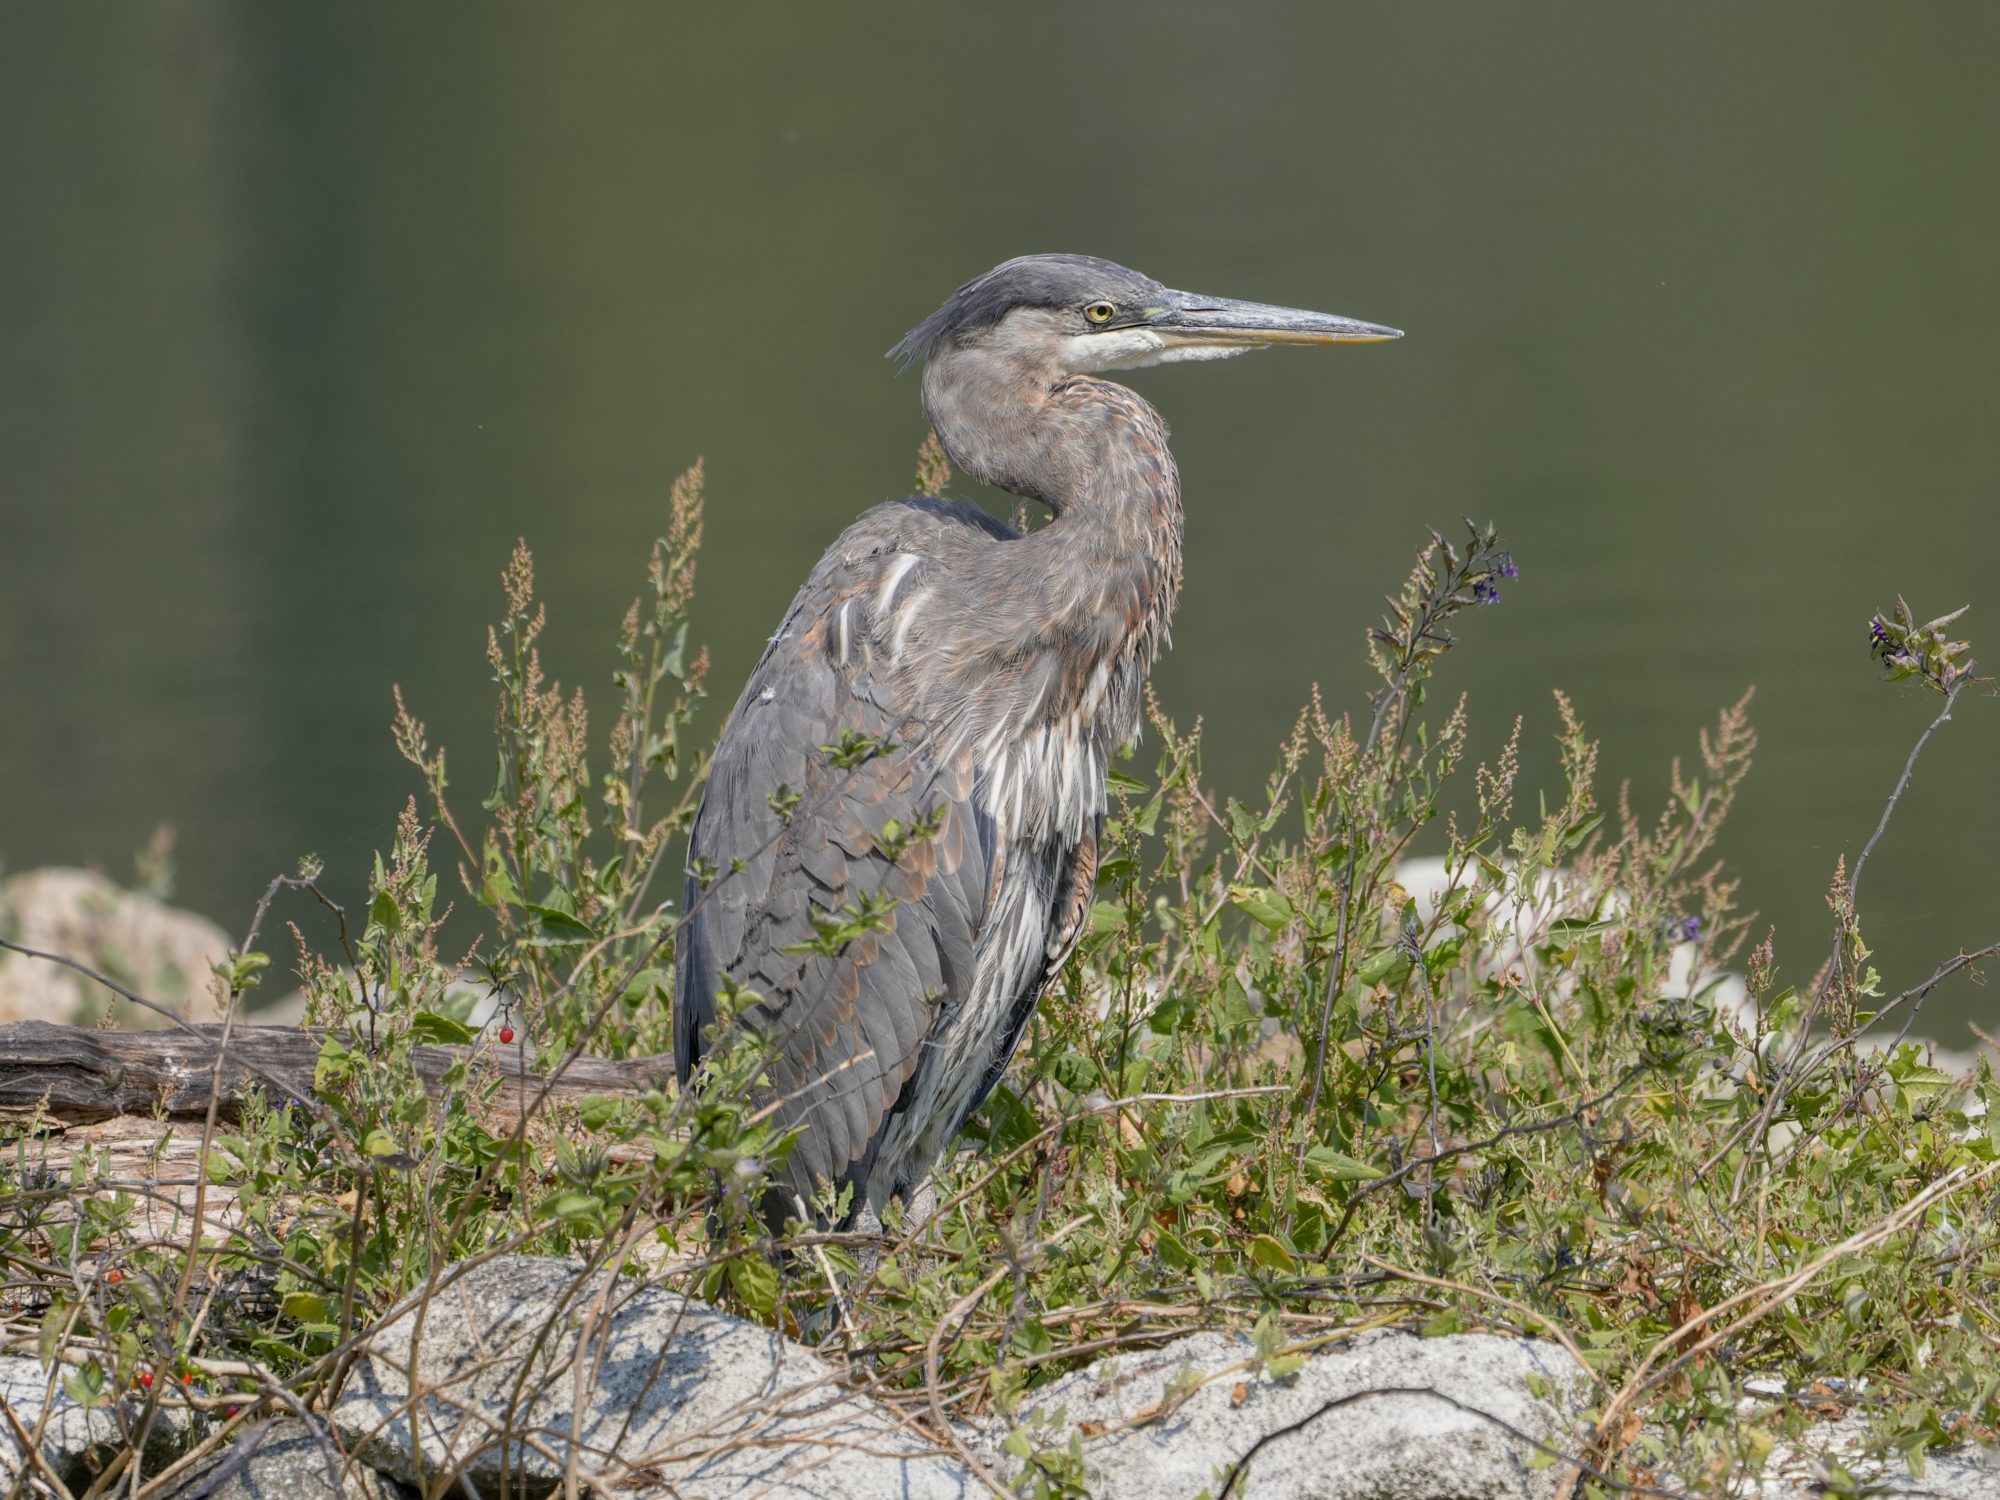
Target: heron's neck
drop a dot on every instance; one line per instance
(1092, 451)
(1108, 567)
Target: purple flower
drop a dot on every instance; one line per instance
(1486, 591)
(1691, 930)
(1505, 566)
(1878, 634)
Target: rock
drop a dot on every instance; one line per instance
(1516, 929)
(75, 1441)
(150, 947)
(285, 1460)
(1962, 1473)
(1402, 1446)
(1520, 922)
(1801, 1470)
(669, 1397)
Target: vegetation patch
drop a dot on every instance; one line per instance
(1549, 1080)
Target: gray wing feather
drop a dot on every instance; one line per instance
(875, 999)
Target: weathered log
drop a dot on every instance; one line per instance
(76, 1075)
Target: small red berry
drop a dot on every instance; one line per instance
(230, 1412)
(114, 1276)
(506, 1034)
(146, 1379)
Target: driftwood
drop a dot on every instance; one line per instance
(75, 1075)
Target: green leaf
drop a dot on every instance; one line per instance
(557, 929)
(334, 1065)
(1244, 825)
(1576, 927)
(498, 888)
(755, 1280)
(430, 1027)
(240, 970)
(1265, 906)
(1268, 1251)
(1147, 819)
(306, 1307)
(1443, 954)
(1075, 1072)
(570, 1207)
(87, 1386)
(1921, 1083)
(56, 1326)
(384, 915)
(378, 1142)
(1338, 1167)
(1581, 829)
(646, 984)
(1106, 916)
(1389, 965)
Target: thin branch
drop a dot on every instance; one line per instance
(1902, 782)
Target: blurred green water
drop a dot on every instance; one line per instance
(307, 312)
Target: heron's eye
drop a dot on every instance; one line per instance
(1100, 312)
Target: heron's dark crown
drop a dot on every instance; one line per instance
(1055, 281)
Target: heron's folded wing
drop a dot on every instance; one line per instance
(799, 894)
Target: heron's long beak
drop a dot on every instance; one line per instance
(1225, 323)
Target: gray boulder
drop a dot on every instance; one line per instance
(75, 1441)
(528, 1365)
(1811, 1466)
(1452, 1421)
(156, 950)
(287, 1459)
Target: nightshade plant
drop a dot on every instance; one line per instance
(1546, 1080)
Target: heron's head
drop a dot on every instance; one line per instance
(1076, 314)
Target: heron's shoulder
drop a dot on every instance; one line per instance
(917, 525)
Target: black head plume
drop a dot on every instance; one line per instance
(1053, 281)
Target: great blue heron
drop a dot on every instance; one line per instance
(963, 688)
